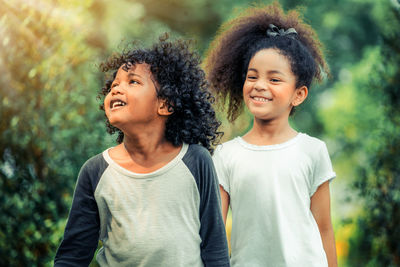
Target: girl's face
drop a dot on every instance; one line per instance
(269, 90)
(133, 97)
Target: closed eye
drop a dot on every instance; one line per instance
(275, 80)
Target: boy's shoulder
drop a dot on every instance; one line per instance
(95, 164)
(198, 160)
(91, 172)
(197, 152)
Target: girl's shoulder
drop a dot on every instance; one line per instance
(228, 146)
(313, 147)
(303, 141)
(310, 142)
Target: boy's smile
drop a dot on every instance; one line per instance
(116, 103)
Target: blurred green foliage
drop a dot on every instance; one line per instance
(50, 123)
(366, 131)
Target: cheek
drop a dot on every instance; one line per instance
(284, 93)
(106, 103)
(246, 88)
(246, 92)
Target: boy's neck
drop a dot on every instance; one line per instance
(269, 132)
(144, 151)
(146, 146)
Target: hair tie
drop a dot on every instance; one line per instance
(274, 31)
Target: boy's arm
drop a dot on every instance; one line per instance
(214, 245)
(320, 208)
(82, 230)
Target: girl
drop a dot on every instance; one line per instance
(153, 199)
(275, 180)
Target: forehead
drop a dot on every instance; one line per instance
(142, 70)
(270, 59)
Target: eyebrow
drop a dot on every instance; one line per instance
(134, 74)
(130, 74)
(268, 72)
(275, 72)
(252, 69)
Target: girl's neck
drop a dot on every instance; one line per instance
(269, 132)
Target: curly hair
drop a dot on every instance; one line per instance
(238, 40)
(181, 83)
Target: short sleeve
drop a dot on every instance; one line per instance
(323, 170)
(220, 167)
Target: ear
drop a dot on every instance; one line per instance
(300, 95)
(164, 109)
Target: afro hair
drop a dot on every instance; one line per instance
(181, 82)
(238, 40)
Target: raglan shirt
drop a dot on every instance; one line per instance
(270, 189)
(169, 217)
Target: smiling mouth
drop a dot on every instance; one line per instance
(116, 104)
(261, 99)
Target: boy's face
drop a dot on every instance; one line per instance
(132, 99)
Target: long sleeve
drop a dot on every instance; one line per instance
(82, 230)
(214, 245)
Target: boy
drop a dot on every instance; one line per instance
(153, 199)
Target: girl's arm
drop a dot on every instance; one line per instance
(224, 203)
(321, 210)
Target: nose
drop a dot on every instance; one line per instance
(115, 90)
(260, 85)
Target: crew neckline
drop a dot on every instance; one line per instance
(157, 172)
(285, 144)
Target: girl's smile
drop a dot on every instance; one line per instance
(262, 99)
(269, 90)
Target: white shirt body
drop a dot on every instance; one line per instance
(270, 189)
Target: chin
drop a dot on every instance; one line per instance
(261, 116)
(113, 121)
(258, 113)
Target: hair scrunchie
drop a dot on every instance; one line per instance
(274, 31)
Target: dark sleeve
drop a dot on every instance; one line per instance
(82, 231)
(214, 245)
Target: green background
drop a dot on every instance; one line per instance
(50, 123)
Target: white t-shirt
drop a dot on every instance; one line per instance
(270, 189)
